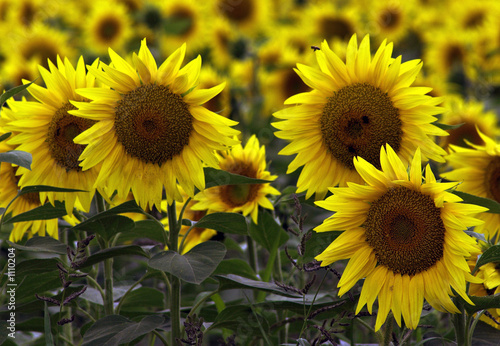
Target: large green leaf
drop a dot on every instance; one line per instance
(42, 244)
(5, 136)
(17, 157)
(123, 250)
(446, 126)
(490, 255)
(482, 303)
(49, 339)
(45, 188)
(107, 226)
(235, 266)
(194, 266)
(116, 330)
(11, 92)
(224, 222)
(318, 242)
(143, 298)
(36, 265)
(217, 177)
(151, 229)
(36, 283)
(267, 232)
(43, 212)
(493, 206)
(241, 318)
(231, 281)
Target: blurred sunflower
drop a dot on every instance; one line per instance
(220, 103)
(249, 161)
(108, 25)
(45, 129)
(390, 20)
(404, 236)
(196, 235)
(26, 12)
(152, 131)
(250, 17)
(472, 115)
(478, 168)
(490, 274)
(474, 17)
(354, 109)
(221, 38)
(14, 69)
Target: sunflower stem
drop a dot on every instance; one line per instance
(461, 324)
(252, 254)
(108, 284)
(175, 309)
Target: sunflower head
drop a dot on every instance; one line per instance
(404, 235)
(152, 130)
(355, 108)
(249, 161)
(490, 273)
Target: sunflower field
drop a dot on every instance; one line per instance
(250, 172)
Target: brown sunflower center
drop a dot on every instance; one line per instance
(42, 49)
(357, 120)
(292, 84)
(330, 28)
(153, 123)
(62, 130)
(453, 55)
(406, 231)
(474, 20)
(108, 28)
(389, 18)
(492, 178)
(465, 132)
(236, 11)
(238, 195)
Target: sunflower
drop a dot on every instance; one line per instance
(108, 25)
(221, 37)
(390, 19)
(354, 109)
(46, 130)
(479, 170)
(15, 68)
(152, 130)
(490, 273)
(249, 161)
(221, 103)
(197, 235)
(404, 236)
(249, 16)
(471, 114)
(8, 191)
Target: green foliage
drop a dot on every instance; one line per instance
(17, 157)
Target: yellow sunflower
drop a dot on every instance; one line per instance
(152, 129)
(221, 103)
(9, 189)
(471, 114)
(108, 25)
(197, 235)
(249, 161)
(354, 109)
(478, 168)
(403, 235)
(390, 20)
(490, 274)
(248, 16)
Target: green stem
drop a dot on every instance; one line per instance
(461, 326)
(175, 306)
(306, 315)
(165, 342)
(108, 286)
(122, 299)
(89, 316)
(97, 286)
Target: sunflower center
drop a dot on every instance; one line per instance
(335, 28)
(153, 123)
(108, 29)
(474, 20)
(406, 231)
(389, 18)
(357, 120)
(453, 55)
(466, 132)
(238, 195)
(237, 11)
(492, 178)
(292, 84)
(41, 49)
(62, 130)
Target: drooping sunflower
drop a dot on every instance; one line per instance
(354, 109)
(490, 274)
(472, 115)
(403, 235)
(478, 168)
(197, 235)
(249, 161)
(152, 130)
(45, 129)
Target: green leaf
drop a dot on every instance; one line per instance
(177, 26)
(217, 177)
(45, 188)
(123, 250)
(447, 127)
(5, 136)
(242, 319)
(224, 222)
(478, 236)
(11, 92)
(116, 330)
(143, 299)
(194, 266)
(482, 303)
(493, 206)
(235, 266)
(49, 339)
(42, 244)
(36, 265)
(318, 242)
(36, 283)
(267, 232)
(150, 229)
(43, 212)
(107, 226)
(490, 255)
(230, 281)
(485, 335)
(17, 157)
